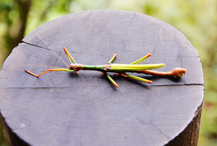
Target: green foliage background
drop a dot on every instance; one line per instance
(196, 19)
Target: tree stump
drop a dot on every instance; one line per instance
(62, 108)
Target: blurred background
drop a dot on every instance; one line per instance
(196, 19)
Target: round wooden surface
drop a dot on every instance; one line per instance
(62, 108)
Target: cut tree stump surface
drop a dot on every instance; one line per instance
(62, 108)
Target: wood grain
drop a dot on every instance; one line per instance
(60, 108)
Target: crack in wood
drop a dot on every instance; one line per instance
(194, 84)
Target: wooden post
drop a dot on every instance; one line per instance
(60, 108)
